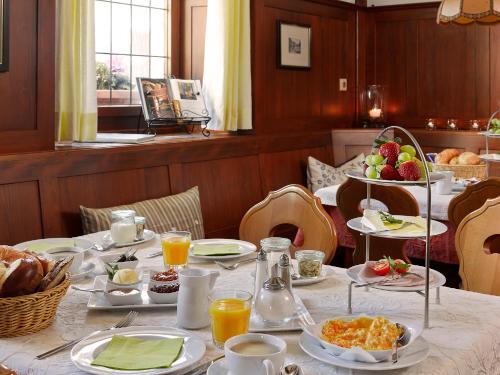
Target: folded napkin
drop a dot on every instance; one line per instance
(358, 354)
(415, 277)
(216, 249)
(41, 247)
(129, 353)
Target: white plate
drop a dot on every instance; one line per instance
(413, 355)
(84, 271)
(439, 280)
(87, 350)
(97, 301)
(148, 236)
(437, 228)
(244, 247)
(308, 281)
(258, 325)
(489, 134)
(490, 157)
(80, 243)
(434, 177)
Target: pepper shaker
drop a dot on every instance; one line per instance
(284, 272)
(261, 272)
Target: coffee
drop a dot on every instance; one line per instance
(255, 348)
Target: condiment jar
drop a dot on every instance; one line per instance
(275, 247)
(309, 263)
(261, 272)
(140, 225)
(123, 229)
(274, 304)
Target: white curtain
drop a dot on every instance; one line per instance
(76, 97)
(227, 83)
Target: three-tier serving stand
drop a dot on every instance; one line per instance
(427, 238)
(490, 157)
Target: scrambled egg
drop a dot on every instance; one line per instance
(366, 333)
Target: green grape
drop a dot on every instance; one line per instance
(429, 166)
(409, 149)
(380, 167)
(369, 160)
(371, 172)
(377, 159)
(497, 131)
(404, 156)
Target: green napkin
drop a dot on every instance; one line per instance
(41, 247)
(129, 353)
(216, 249)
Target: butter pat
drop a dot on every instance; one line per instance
(125, 276)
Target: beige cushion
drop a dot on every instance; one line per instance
(321, 175)
(181, 211)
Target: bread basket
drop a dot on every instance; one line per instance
(31, 313)
(463, 171)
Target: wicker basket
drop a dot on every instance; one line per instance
(463, 171)
(31, 313)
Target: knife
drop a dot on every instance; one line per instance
(201, 369)
(155, 254)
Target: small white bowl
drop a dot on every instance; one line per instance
(152, 282)
(110, 284)
(58, 253)
(124, 299)
(162, 298)
(110, 258)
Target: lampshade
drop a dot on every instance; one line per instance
(467, 11)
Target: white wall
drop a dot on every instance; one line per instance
(396, 2)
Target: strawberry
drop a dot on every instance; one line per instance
(390, 151)
(409, 170)
(390, 173)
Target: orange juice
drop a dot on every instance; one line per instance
(230, 317)
(175, 249)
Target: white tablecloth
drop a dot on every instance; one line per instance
(439, 202)
(464, 336)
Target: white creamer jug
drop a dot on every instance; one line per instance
(192, 302)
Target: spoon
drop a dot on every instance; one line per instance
(402, 339)
(291, 369)
(87, 290)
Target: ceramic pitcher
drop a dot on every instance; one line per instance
(192, 302)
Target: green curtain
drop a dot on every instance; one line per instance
(76, 101)
(227, 82)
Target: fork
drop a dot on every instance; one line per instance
(233, 266)
(125, 322)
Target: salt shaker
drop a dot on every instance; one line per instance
(274, 304)
(261, 272)
(284, 272)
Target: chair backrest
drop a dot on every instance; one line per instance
(479, 265)
(398, 201)
(472, 198)
(292, 204)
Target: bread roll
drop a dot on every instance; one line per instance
(468, 158)
(55, 276)
(446, 155)
(21, 277)
(9, 254)
(454, 161)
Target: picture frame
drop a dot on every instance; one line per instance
(293, 45)
(4, 35)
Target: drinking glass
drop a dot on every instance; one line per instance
(123, 228)
(175, 246)
(230, 312)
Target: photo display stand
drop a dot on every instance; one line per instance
(426, 238)
(187, 121)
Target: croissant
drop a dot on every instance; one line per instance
(446, 155)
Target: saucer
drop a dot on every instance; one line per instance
(84, 271)
(219, 368)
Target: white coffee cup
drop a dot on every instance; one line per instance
(255, 354)
(58, 253)
(445, 185)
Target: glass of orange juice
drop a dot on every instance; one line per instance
(230, 312)
(175, 246)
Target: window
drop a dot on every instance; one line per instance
(132, 40)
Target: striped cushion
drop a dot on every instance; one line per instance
(181, 211)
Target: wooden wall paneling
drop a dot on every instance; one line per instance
(228, 188)
(20, 212)
(27, 106)
(193, 24)
(494, 68)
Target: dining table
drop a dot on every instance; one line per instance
(464, 332)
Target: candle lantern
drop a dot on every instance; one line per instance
(430, 124)
(452, 124)
(475, 125)
(372, 104)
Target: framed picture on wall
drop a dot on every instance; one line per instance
(293, 46)
(4, 37)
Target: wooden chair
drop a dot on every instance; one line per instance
(472, 198)
(292, 204)
(398, 201)
(479, 265)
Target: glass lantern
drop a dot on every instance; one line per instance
(373, 106)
